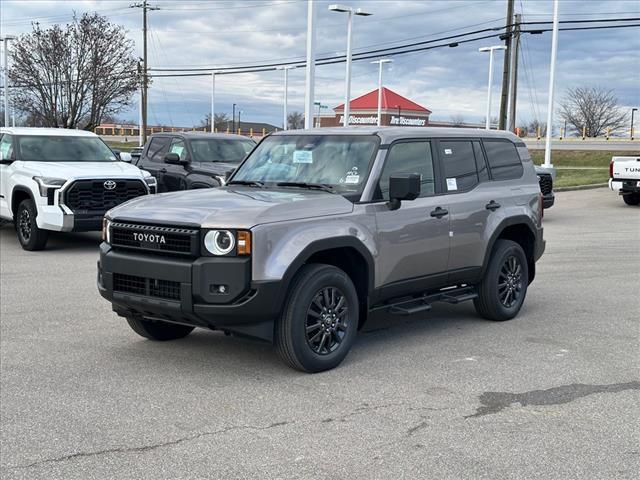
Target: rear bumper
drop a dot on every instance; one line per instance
(624, 187)
(246, 307)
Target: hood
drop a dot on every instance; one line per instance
(75, 170)
(231, 207)
(213, 168)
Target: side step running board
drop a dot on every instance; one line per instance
(409, 306)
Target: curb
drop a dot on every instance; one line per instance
(581, 187)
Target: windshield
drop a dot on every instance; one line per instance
(219, 150)
(64, 148)
(340, 161)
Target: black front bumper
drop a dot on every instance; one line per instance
(548, 200)
(246, 307)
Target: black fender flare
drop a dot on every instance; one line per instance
(19, 188)
(318, 246)
(507, 222)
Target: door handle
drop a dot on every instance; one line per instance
(163, 170)
(493, 206)
(439, 212)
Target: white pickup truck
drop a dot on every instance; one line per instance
(624, 173)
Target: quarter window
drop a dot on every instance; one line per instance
(503, 158)
(157, 147)
(6, 147)
(459, 165)
(408, 157)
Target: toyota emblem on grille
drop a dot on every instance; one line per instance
(109, 185)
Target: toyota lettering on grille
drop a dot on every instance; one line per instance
(149, 238)
(109, 185)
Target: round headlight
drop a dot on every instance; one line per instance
(219, 242)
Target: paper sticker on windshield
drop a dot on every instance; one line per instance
(302, 156)
(448, 151)
(452, 184)
(352, 179)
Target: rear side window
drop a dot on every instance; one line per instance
(408, 157)
(157, 147)
(459, 165)
(503, 158)
(6, 147)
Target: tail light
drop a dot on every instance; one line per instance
(611, 169)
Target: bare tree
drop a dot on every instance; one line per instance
(593, 108)
(221, 120)
(73, 76)
(457, 120)
(295, 120)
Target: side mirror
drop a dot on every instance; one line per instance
(125, 157)
(403, 186)
(172, 158)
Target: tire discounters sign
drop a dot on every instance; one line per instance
(401, 120)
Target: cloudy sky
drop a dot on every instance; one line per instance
(448, 81)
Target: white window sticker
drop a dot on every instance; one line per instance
(352, 179)
(302, 156)
(452, 184)
(448, 151)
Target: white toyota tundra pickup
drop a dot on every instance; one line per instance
(61, 180)
(624, 173)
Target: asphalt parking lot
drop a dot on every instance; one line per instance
(554, 393)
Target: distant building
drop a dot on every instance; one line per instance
(396, 111)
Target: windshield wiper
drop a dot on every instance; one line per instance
(316, 186)
(250, 183)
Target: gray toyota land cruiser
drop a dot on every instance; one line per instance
(318, 228)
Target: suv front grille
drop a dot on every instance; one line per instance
(89, 196)
(168, 240)
(148, 287)
(546, 183)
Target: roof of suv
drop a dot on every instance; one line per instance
(204, 135)
(67, 132)
(389, 134)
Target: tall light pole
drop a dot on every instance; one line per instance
(487, 123)
(310, 68)
(380, 63)
(213, 102)
(285, 113)
(633, 110)
(552, 75)
(347, 90)
(6, 39)
(233, 118)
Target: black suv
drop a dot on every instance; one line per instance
(189, 160)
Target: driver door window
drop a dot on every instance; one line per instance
(178, 147)
(408, 157)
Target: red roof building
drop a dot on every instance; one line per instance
(396, 110)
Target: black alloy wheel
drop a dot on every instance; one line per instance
(510, 282)
(326, 320)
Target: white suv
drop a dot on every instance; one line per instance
(62, 180)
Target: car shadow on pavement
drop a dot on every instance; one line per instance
(58, 241)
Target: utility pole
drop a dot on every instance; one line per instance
(6, 78)
(233, 119)
(213, 102)
(144, 5)
(140, 108)
(552, 76)
(513, 84)
(311, 65)
(506, 67)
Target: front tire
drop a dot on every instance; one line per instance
(159, 331)
(31, 237)
(631, 199)
(502, 291)
(320, 320)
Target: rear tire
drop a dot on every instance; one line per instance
(632, 199)
(159, 331)
(320, 320)
(30, 236)
(504, 286)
